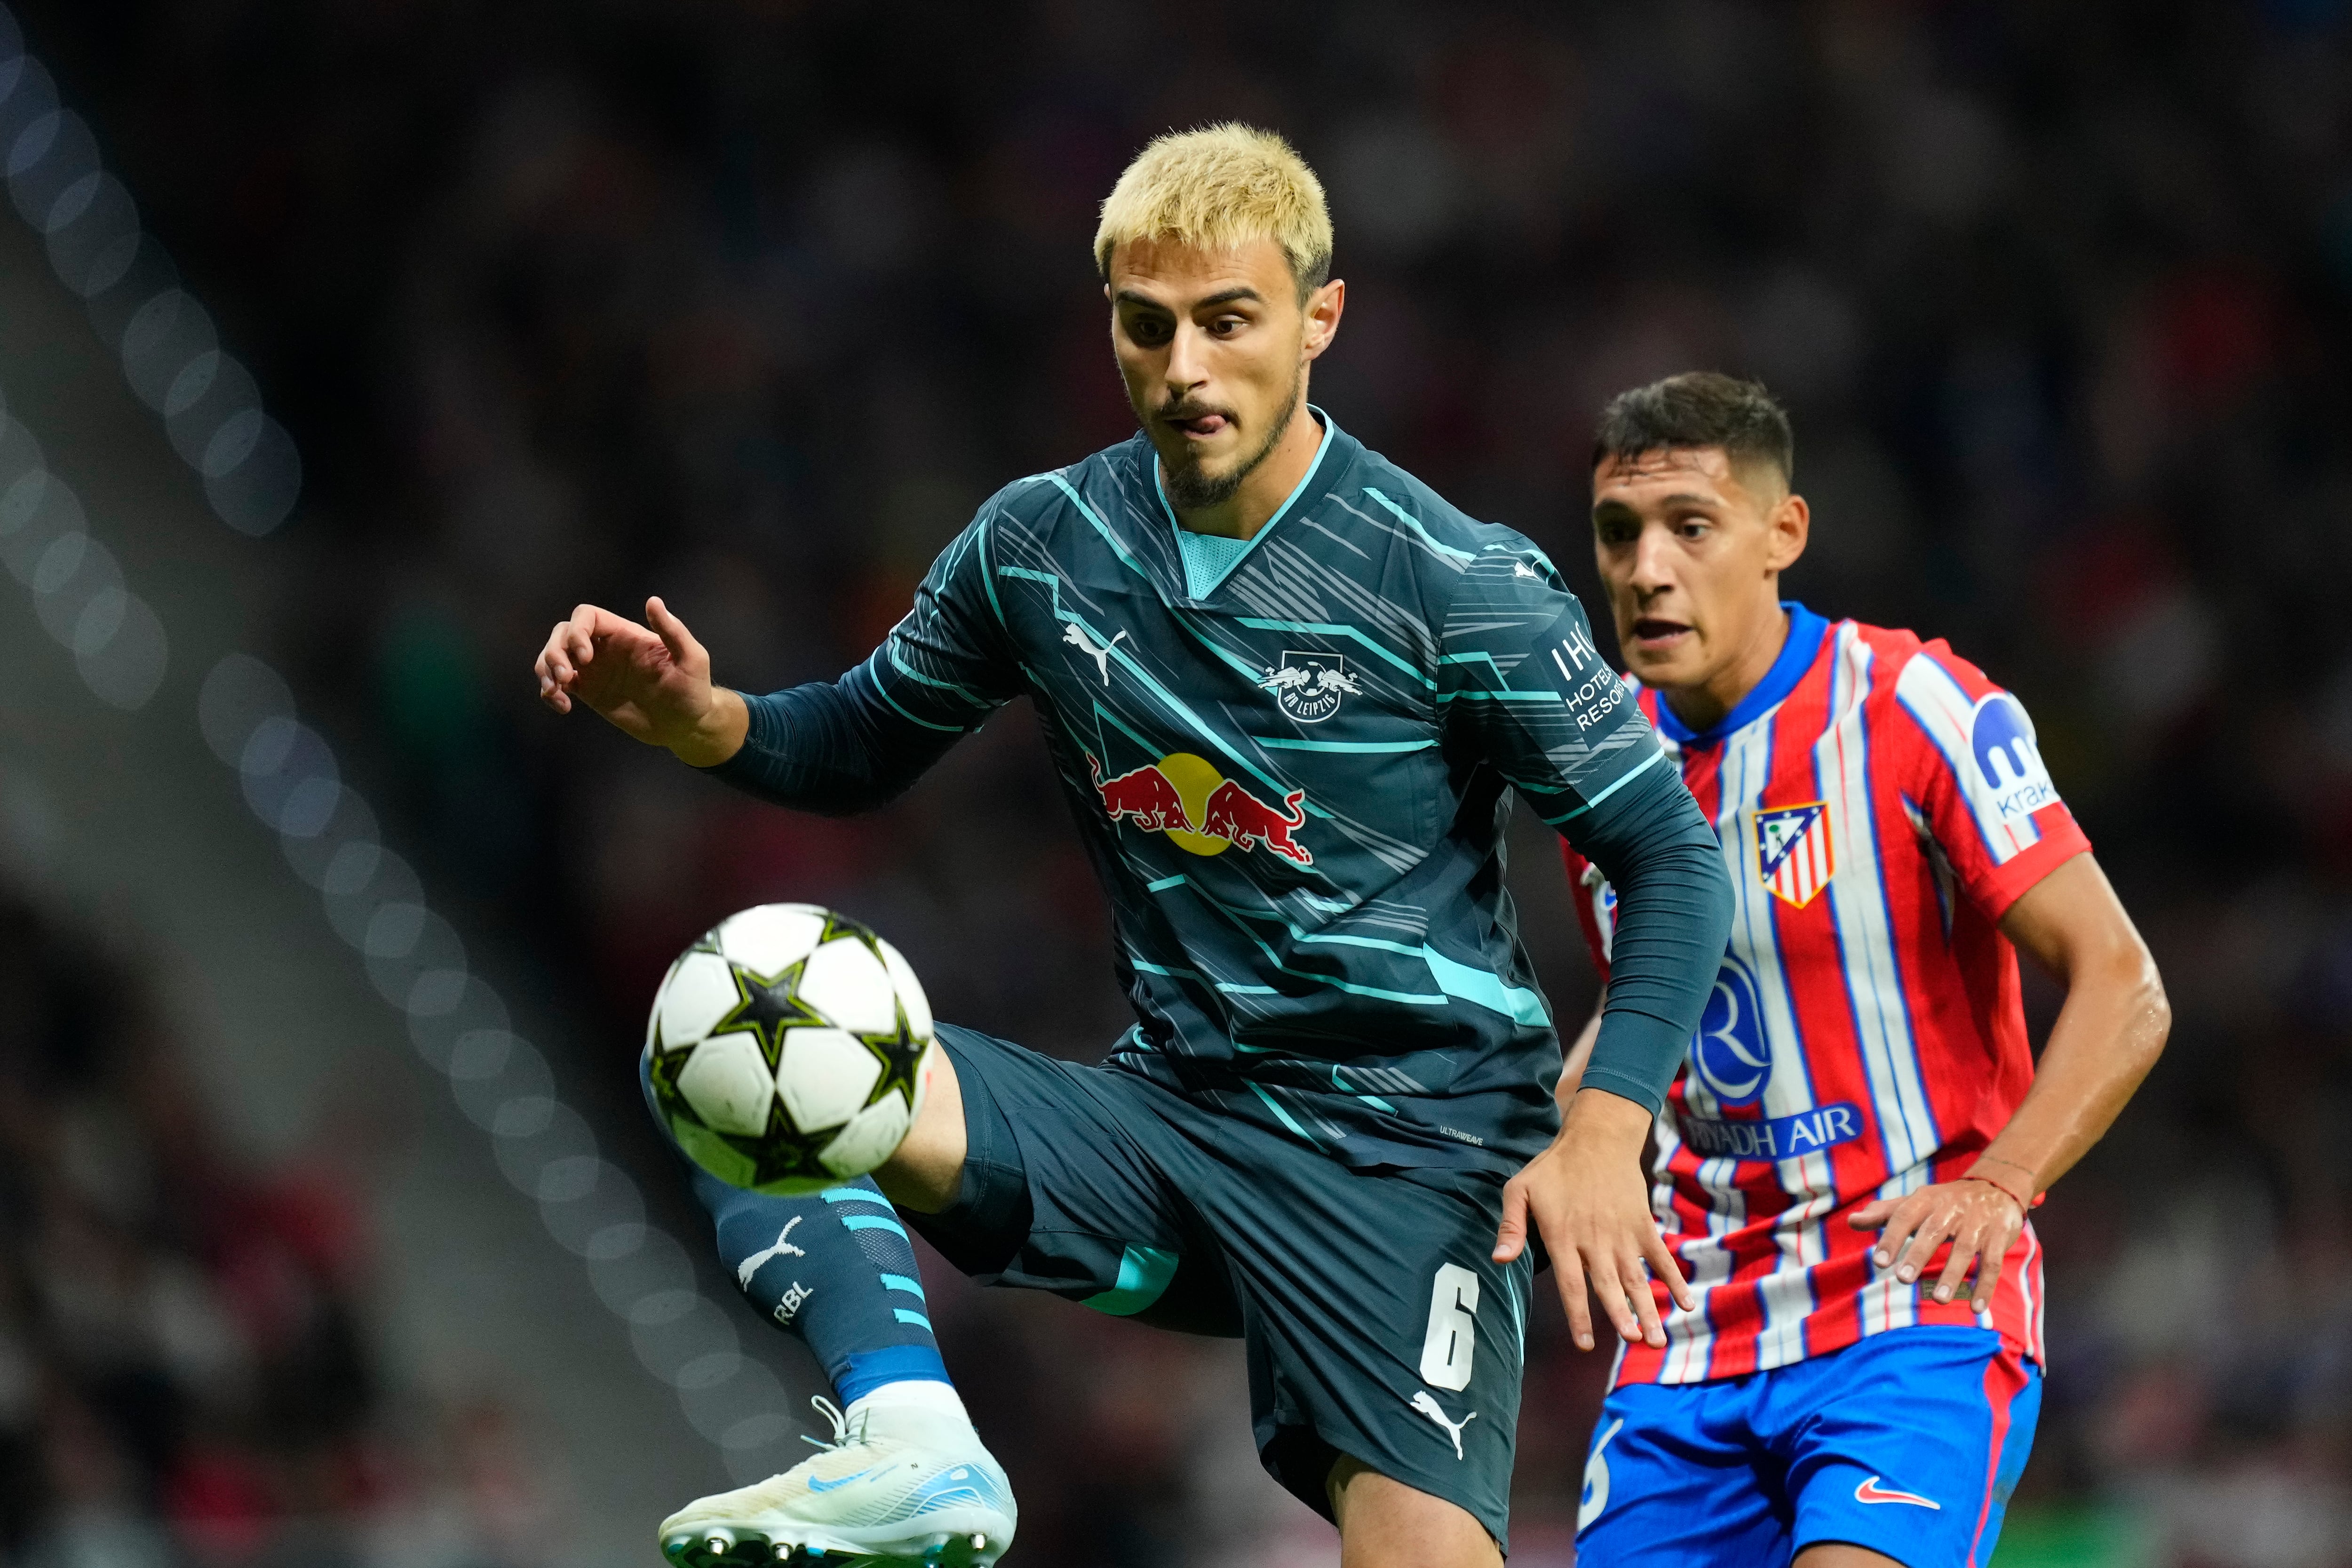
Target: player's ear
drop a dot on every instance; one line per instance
(1791, 524)
(1323, 307)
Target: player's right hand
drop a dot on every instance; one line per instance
(652, 682)
(1586, 1196)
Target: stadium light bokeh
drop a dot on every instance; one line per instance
(211, 410)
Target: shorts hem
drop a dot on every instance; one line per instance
(1799, 1544)
(1299, 1456)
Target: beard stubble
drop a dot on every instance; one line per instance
(1188, 489)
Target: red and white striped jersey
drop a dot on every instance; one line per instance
(1881, 804)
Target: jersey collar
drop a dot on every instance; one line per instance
(1806, 630)
(1330, 433)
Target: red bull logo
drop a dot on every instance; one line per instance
(1200, 809)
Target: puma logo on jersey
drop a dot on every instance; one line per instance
(1521, 569)
(1076, 636)
(1426, 1402)
(758, 1260)
(1870, 1491)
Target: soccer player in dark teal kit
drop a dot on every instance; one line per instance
(1290, 693)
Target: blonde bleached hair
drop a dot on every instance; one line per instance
(1218, 188)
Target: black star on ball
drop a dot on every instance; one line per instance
(780, 1155)
(765, 1008)
(900, 1054)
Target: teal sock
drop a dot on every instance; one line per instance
(835, 1270)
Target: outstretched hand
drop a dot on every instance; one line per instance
(1588, 1199)
(652, 682)
(1979, 1219)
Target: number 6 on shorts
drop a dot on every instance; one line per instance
(1453, 1336)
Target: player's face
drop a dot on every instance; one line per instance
(1691, 548)
(1213, 347)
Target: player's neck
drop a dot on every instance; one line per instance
(1703, 705)
(1267, 485)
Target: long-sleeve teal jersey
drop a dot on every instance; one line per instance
(1292, 763)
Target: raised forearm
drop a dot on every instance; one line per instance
(829, 747)
(1673, 914)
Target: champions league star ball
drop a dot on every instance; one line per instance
(789, 1049)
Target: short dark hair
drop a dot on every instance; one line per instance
(1699, 408)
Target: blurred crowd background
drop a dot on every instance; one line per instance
(748, 302)
(186, 1371)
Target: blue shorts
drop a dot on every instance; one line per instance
(1908, 1443)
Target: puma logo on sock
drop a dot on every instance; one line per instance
(760, 1260)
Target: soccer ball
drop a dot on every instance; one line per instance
(789, 1049)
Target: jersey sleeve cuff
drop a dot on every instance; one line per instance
(1624, 1086)
(2001, 888)
(761, 732)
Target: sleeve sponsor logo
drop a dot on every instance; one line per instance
(1774, 1137)
(2008, 759)
(1593, 691)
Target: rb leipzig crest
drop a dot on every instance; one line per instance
(1309, 686)
(1794, 856)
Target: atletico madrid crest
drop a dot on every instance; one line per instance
(1794, 856)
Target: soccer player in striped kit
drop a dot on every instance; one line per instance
(1846, 1164)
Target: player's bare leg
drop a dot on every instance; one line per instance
(925, 1172)
(1838, 1554)
(1384, 1523)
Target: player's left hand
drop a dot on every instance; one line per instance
(1588, 1199)
(1980, 1220)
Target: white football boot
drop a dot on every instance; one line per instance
(898, 1483)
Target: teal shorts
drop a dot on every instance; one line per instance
(1375, 1323)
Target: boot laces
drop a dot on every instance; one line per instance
(843, 1437)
